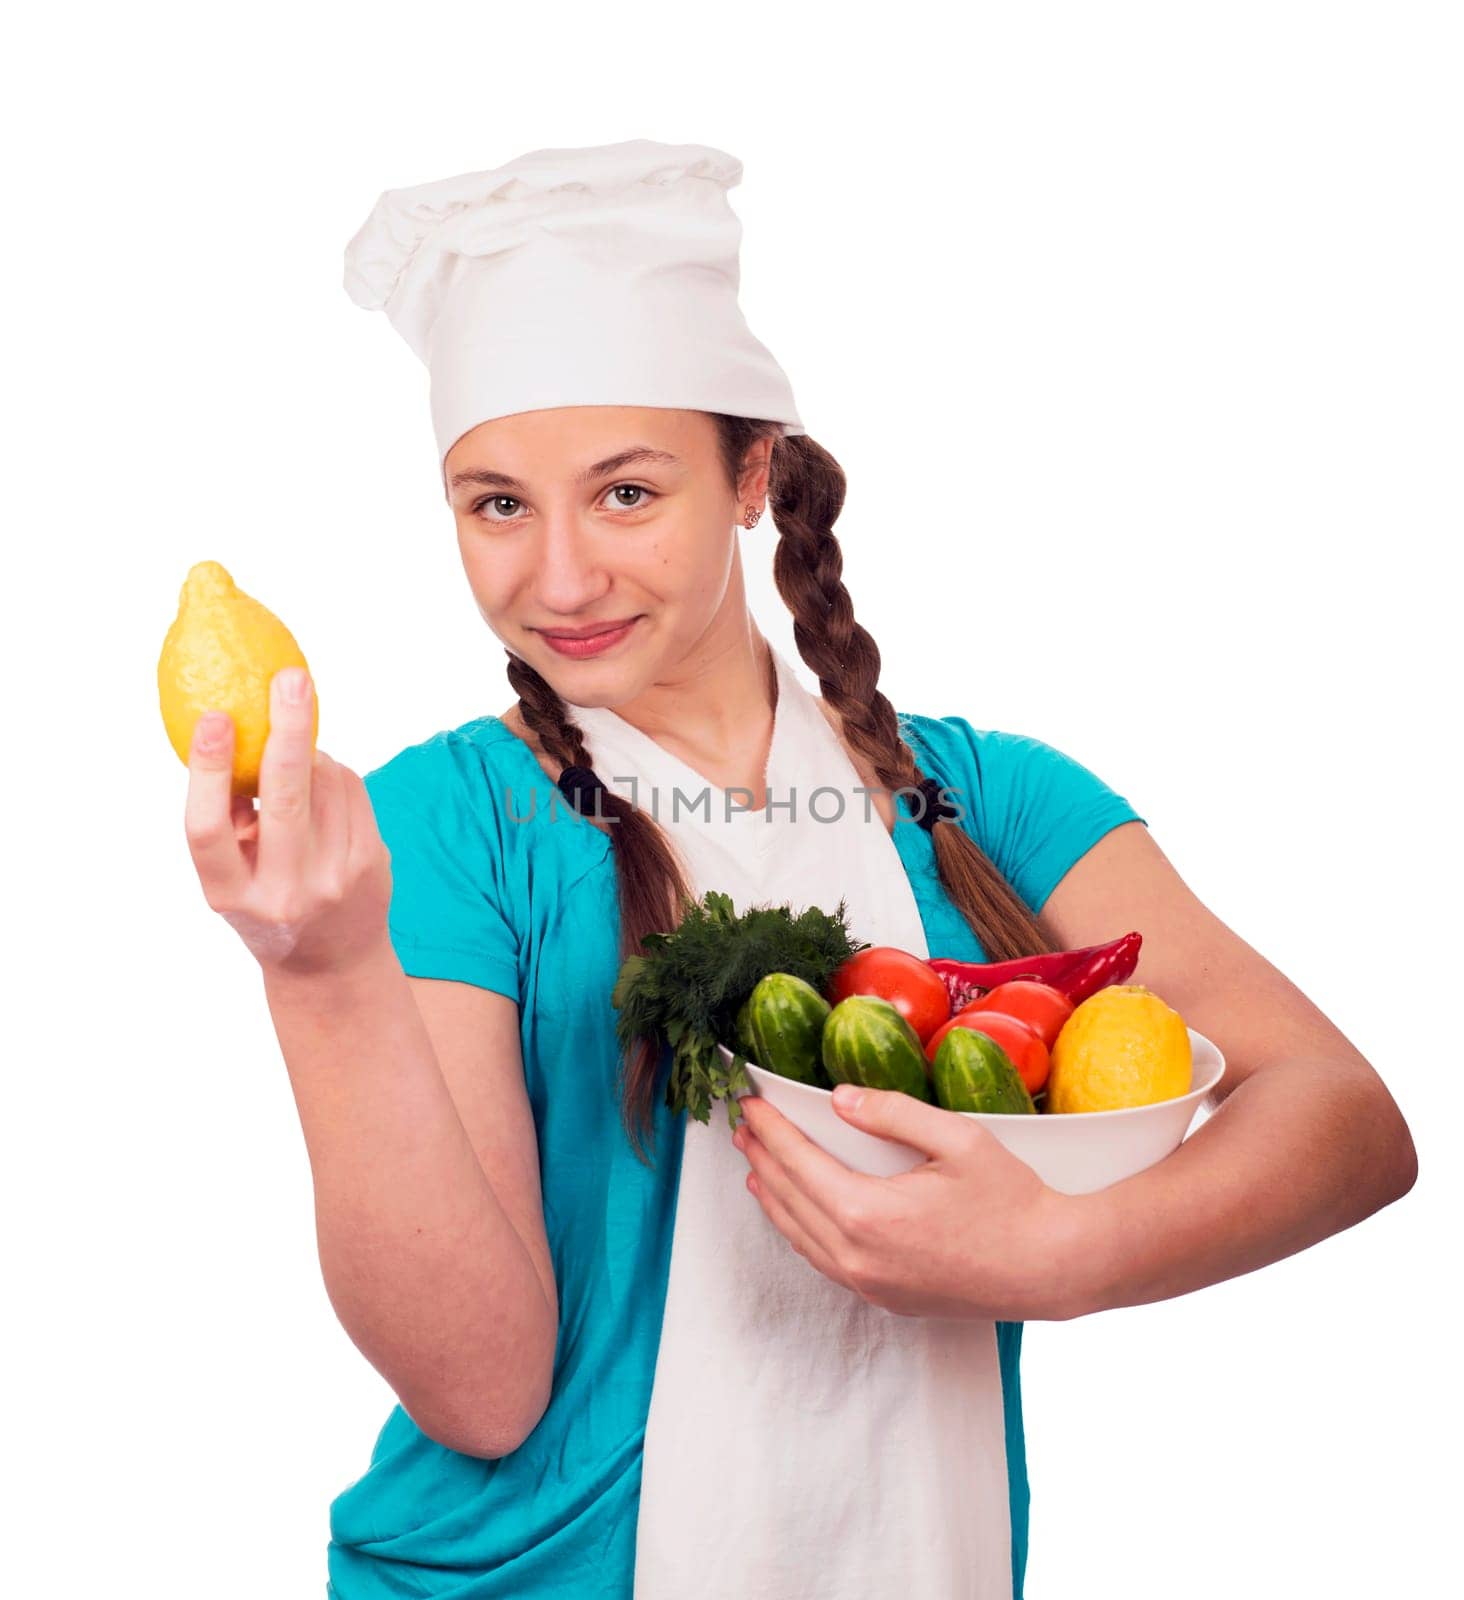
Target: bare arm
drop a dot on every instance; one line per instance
(428, 1209)
(441, 1278)
(1306, 1139)
(1306, 1142)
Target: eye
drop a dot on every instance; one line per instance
(634, 488)
(480, 506)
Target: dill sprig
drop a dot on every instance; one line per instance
(686, 989)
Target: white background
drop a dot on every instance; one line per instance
(1137, 330)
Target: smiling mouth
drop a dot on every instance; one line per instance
(582, 646)
(592, 632)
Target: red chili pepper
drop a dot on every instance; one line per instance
(1076, 973)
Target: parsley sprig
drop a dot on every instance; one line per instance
(686, 989)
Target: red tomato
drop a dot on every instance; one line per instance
(911, 987)
(1038, 1004)
(1019, 1039)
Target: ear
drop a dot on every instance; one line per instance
(756, 469)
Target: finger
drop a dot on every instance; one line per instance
(777, 1213)
(890, 1114)
(823, 1179)
(804, 1211)
(328, 820)
(369, 854)
(284, 784)
(245, 818)
(360, 821)
(207, 820)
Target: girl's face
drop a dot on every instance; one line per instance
(563, 530)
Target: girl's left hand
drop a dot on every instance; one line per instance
(973, 1232)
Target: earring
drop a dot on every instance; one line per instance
(753, 513)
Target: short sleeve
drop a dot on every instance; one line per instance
(449, 916)
(1038, 810)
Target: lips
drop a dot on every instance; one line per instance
(589, 632)
(590, 644)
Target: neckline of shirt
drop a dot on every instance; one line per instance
(914, 843)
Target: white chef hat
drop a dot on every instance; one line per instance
(604, 275)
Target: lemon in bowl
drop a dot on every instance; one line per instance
(1121, 1047)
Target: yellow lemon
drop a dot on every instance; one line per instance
(219, 655)
(1121, 1047)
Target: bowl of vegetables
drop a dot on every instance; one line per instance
(1086, 1078)
(1075, 1153)
(1084, 1075)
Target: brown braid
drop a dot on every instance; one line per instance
(650, 883)
(805, 494)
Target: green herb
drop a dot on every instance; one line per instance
(686, 989)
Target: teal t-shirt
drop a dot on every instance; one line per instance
(496, 882)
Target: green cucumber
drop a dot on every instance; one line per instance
(779, 1027)
(973, 1073)
(866, 1041)
(742, 1029)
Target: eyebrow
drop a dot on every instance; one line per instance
(483, 477)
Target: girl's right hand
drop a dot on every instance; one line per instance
(306, 880)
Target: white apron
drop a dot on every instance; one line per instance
(801, 1443)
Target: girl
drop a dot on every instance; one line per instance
(620, 1373)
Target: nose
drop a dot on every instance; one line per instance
(570, 575)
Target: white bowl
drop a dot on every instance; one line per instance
(1075, 1152)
